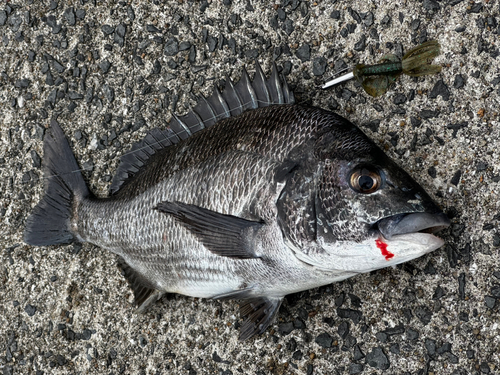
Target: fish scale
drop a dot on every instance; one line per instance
(135, 253)
(251, 202)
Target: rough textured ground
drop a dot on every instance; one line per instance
(109, 71)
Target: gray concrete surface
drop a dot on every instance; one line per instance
(109, 71)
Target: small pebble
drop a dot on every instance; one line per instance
(319, 66)
(30, 310)
(324, 340)
(377, 359)
(304, 52)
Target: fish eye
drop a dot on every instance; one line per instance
(365, 180)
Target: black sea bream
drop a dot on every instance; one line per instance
(247, 197)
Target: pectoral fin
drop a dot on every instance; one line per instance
(260, 313)
(224, 235)
(145, 293)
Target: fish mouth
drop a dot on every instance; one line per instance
(418, 222)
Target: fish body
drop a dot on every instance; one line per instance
(270, 200)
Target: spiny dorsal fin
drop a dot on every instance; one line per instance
(232, 98)
(145, 293)
(259, 84)
(232, 101)
(247, 92)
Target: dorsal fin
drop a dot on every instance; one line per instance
(259, 84)
(232, 101)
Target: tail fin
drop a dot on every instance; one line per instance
(49, 223)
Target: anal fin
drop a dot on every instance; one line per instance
(259, 313)
(224, 235)
(145, 293)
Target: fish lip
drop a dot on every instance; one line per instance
(411, 223)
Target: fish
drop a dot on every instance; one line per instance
(250, 196)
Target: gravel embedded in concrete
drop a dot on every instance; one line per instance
(110, 72)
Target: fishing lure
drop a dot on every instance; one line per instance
(376, 79)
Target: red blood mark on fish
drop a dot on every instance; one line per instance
(383, 249)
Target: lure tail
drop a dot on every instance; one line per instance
(417, 61)
(50, 221)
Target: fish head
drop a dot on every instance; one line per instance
(370, 213)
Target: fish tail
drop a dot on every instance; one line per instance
(50, 221)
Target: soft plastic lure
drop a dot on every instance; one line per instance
(376, 79)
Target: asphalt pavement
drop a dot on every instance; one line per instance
(109, 71)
